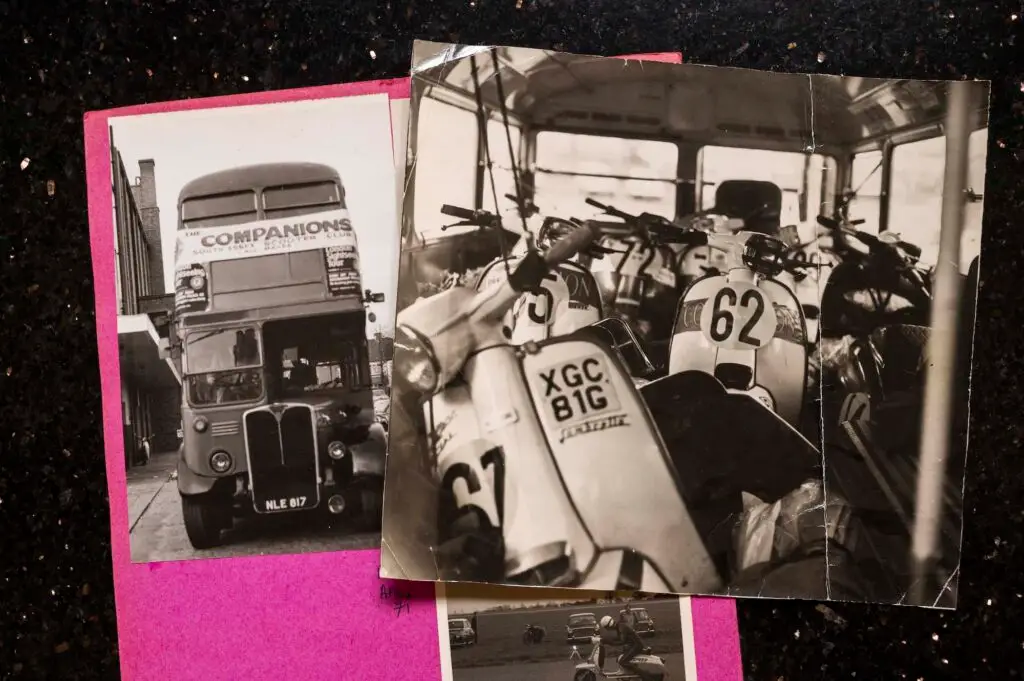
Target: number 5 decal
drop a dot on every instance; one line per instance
(738, 317)
(543, 317)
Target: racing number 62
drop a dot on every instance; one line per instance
(723, 317)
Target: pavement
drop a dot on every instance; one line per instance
(675, 670)
(158, 533)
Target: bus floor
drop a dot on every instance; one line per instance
(881, 489)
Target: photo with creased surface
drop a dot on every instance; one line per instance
(255, 255)
(683, 329)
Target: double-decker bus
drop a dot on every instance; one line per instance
(270, 330)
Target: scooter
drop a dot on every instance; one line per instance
(641, 279)
(744, 327)
(533, 634)
(545, 448)
(568, 298)
(592, 668)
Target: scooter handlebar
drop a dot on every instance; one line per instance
(568, 246)
(460, 213)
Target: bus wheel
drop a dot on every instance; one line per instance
(204, 519)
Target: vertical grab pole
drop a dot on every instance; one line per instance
(937, 416)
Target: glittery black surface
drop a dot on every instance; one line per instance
(60, 59)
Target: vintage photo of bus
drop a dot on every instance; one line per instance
(684, 329)
(276, 333)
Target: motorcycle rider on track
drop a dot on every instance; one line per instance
(622, 633)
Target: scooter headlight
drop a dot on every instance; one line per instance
(415, 360)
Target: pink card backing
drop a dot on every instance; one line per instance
(300, 617)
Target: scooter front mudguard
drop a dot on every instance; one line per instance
(614, 472)
(490, 458)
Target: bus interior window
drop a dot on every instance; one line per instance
(915, 203)
(501, 166)
(447, 138)
(793, 184)
(866, 185)
(634, 175)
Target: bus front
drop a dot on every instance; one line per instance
(271, 319)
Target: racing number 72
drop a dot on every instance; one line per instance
(723, 317)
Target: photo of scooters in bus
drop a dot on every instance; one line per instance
(271, 355)
(667, 340)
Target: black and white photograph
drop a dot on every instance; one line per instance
(683, 329)
(256, 283)
(497, 633)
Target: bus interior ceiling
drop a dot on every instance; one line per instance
(691, 105)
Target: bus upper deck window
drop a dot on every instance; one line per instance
(308, 196)
(866, 182)
(219, 209)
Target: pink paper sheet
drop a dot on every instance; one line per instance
(296, 617)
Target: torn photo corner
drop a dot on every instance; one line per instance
(678, 328)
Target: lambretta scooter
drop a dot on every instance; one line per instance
(568, 298)
(547, 446)
(744, 327)
(641, 279)
(593, 668)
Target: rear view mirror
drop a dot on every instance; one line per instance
(621, 338)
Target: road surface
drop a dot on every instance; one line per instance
(158, 533)
(675, 670)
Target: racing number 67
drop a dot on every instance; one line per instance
(723, 315)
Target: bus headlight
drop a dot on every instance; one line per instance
(336, 450)
(415, 360)
(200, 424)
(220, 461)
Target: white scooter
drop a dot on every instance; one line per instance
(745, 327)
(592, 669)
(547, 445)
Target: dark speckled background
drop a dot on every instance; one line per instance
(60, 59)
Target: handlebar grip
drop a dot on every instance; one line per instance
(568, 246)
(456, 212)
(828, 222)
(595, 203)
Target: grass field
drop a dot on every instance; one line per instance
(499, 634)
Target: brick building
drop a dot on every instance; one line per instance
(150, 385)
